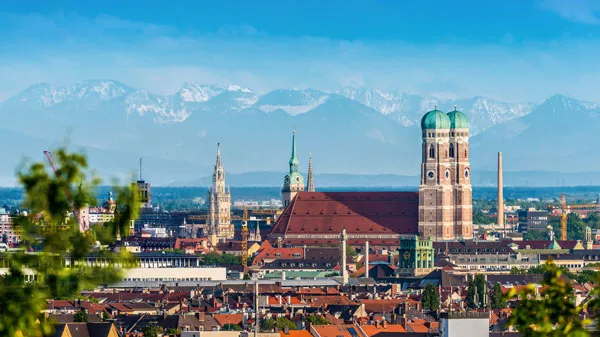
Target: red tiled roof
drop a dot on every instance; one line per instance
(359, 212)
(223, 319)
(373, 330)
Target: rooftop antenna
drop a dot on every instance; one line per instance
(140, 168)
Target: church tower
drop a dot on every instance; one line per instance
(460, 174)
(219, 201)
(436, 211)
(310, 181)
(445, 204)
(293, 181)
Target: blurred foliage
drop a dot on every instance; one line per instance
(49, 198)
(553, 312)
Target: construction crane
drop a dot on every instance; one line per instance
(82, 225)
(565, 209)
(245, 238)
(563, 217)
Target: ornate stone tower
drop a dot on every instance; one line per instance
(310, 182)
(219, 201)
(445, 204)
(293, 182)
(460, 174)
(436, 204)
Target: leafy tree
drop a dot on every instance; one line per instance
(430, 300)
(49, 198)
(317, 320)
(575, 227)
(152, 330)
(476, 292)
(231, 327)
(279, 322)
(593, 220)
(172, 331)
(350, 252)
(481, 218)
(497, 299)
(216, 259)
(80, 316)
(553, 313)
(586, 276)
(535, 235)
(267, 324)
(518, 271)
(544, 268)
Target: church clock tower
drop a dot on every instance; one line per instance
(293, 181)
(460, 169)
(445, 204)
(436, 211)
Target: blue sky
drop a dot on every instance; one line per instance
(515, 50)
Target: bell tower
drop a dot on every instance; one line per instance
(293, 181)
(460, 169)
(436, 199)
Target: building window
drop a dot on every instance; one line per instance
(431, 151)
(451, 150)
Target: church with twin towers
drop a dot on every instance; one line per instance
(441, 210)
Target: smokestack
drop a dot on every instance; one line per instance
(501, 224)
(366, 259)
(343, 270)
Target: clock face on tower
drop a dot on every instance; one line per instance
(297, 178)
(430, 174)
(467, 173)
(406, 255)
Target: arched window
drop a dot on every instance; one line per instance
(451, 150)
(431, 151)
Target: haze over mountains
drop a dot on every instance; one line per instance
(351, 132)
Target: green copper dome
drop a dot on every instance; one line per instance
(458, 120)
(435, 119)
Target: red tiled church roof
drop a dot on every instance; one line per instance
(313, 213)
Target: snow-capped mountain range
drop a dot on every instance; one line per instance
(406, 109)
(350, 130)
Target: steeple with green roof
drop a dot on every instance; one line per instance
(294, 162)
(294, 181)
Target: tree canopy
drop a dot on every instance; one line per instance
(49, 198)
(430, 299)
(553, 313)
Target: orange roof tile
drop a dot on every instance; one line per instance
(334, 330)
(372, 330)
(223, 319)
(296, 333)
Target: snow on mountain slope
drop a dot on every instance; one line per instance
(408, 109)
(48, 95)
(294, 102)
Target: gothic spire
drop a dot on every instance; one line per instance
(218, 164)
(310, 184)
(294, 160)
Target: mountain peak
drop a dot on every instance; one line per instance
(563, 101)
